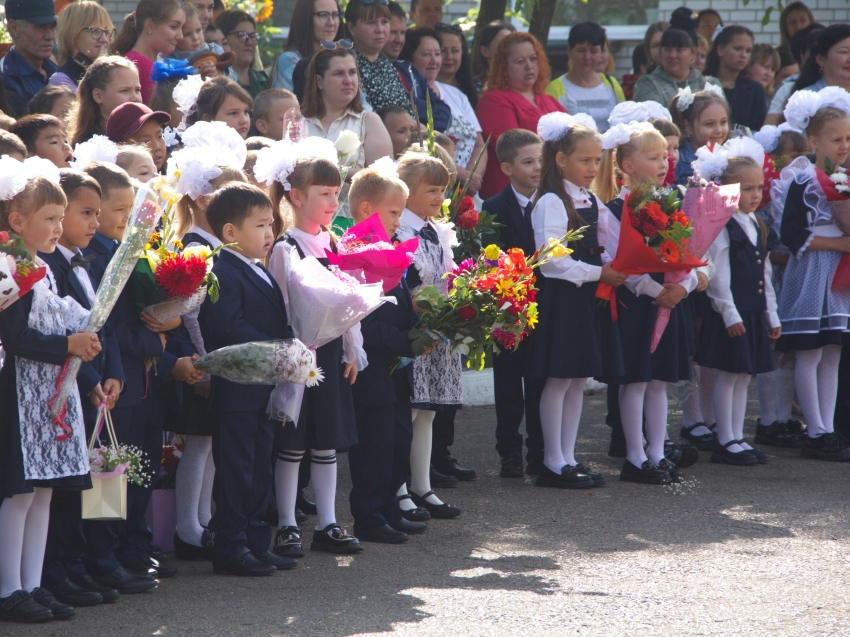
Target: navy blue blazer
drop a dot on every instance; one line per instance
(102, 249)
(417, 85)
(248, 310)
(385, 339)
(516, 230)
(107, 364)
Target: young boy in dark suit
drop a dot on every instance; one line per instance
(250, 308)
(379, 463)
(520, 153)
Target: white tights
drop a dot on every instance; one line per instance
(635, 400)
(695, 398)
(560, 412)
(776, 390)
(23, 536)
(193, 488)
(730, 407)
(816, 376)
(420, 458)
(322, 477)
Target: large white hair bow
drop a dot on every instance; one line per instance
(98, 148)
(219, 140)
(711, 161)
(803, 105)
(190, 171)
(14, 174)
(621, 133)
(745, 147)
(554, 126)
(277, 162)
(185, 96)
(626, 112)
(769, 135)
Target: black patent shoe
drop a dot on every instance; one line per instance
(704, 442)
(449, 467)
(242, 563)
(108, 594)
(333, 539)
(42, 597)
(279, 562)
(305, 504)
(190, 552)
(442, 511)
(647, 473)
(569, 478)
(721, 455)
(826, 447)
(779, 434)
(676, 474)
(20, 607)
(144, 564)
(511, 467)
(598, 478)
(300, 516)
(69, 593)
(409, 527)
(125, 582)
(287, 542)
(761, 456)
(682, 455)
(418, 514)
(383, 534)
(442, 481)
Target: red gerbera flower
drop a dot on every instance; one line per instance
(669, 251)
(179, 275)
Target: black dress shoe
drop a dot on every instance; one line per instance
(682, 455)
(703, 442)
(761, 456)
(511, 467)
(441, 481)
(279, 562)
(125, 582)
(409, 527)
(383, 533)
(190, 552)
(108, 594)
(287, 542)
(676, 474)
(20, 607)
(569, 478)
(242, 563)
(145, 564)
(826, 447)
(300, 516)
(448, 466)
(533, 467)
(43, 597)
(779, 434)
(157, 553)
(598, 478)
(418, 514)
(442, 511)
(647, 473)
(69, 593)
(721, 455)
(333, 539)
(304, 503)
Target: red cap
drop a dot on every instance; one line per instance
(127, 119)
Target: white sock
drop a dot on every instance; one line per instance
(785, 393)
(35, 539)
(205, 502)
(420, 454)
(767, 390)
(188, 486)
(828, 385)
(688, 391)
(286, 486)
(551, 420)
(323, 479)
(806, 380)
(655, 408)
(405, 504)
(706, 393)
(13, 519)
(573, 403)
(631, 414)
(724, 398)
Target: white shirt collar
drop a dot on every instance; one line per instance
(521, 198)
(209, 236)
(255, 266)
(576, 192)
(241, 256)
(68, 254)
(412, 220)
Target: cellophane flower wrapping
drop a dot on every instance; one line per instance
(491, 302)
(18, 270)
(176, 306)
(143, 219)
(834, 182)
(365, 249)
(263, 363)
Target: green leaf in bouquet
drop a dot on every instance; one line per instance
(421, 341)
(431, 297)
(145, 290)
(213, 288)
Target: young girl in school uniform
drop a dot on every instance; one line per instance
(37, 456)
(736, 334)
(190, 416)
(813, 315)
(305, 174)
(572, 152)
(703, 118)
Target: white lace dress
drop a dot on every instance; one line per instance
(436, 377)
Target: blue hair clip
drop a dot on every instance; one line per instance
(171, 67)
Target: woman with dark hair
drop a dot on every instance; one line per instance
(707, 22)
(484, 44)
(312, 22)
(801, 43)
(828, 63)
(583, 89)
(240, 32)
(727, 61)
(456, 70)
(678, 53)
(514, 97)
(795, 16)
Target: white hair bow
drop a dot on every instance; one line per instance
(554, 126)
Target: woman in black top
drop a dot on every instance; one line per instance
(83, 33)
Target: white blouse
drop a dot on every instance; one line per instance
(719, 290)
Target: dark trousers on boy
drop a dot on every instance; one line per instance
(517, 396)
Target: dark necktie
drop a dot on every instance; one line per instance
(429, 234)
(79, 261)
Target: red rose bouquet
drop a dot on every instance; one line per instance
(18, 270)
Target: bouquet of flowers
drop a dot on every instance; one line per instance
(264, 363)
(113, 460)
(365, 248)
(836, 186)
(490, 303)
(18, 270)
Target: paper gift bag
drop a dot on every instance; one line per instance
(107, 499)
(161, 517)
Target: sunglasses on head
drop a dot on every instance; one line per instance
(368, 2)
(341, 44)
(442, 26)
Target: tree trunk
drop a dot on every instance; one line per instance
(489, 11)
(541, 20)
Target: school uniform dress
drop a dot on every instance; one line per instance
(250, 308)
(513, 210)
(740, 292)
(575, 337)
(813, 315)
(684, 169)
(326, 420)
(436, 377)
